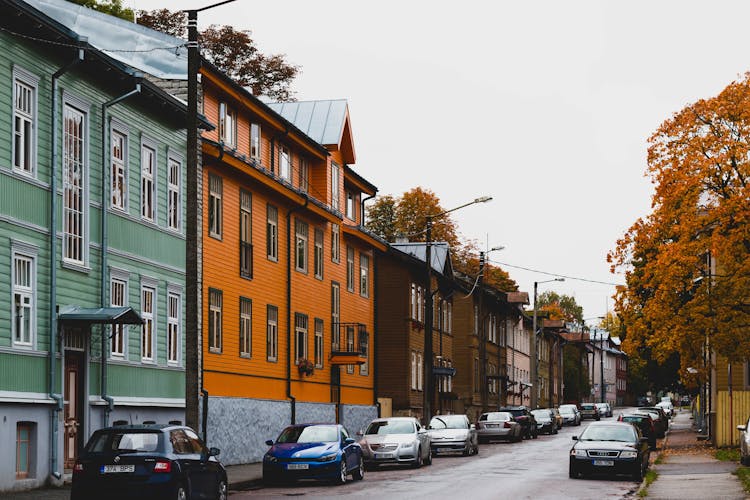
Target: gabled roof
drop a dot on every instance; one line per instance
(326, 122)
(148, 50)
(440, 254)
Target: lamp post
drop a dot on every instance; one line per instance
(193, 351)
(534, 354)
(429, 385)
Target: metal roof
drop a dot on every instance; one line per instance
(439, 257)
(323, 121)
(148, 50)
(100, 315)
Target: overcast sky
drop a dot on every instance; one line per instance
(544, 105)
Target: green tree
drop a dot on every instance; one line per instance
(381, 217)
(111, 7)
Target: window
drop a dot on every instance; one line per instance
(413, 301)
(148, 186)
(24, 121)
(246, 234)
(300, 336)
(476, 375)
(420, 372)
(74, 182)
(272, 333)
(246, 327)
(364, 349)
(272, 232)
(335, 179)
(300, 232)
(304, 175)
(118, 297)
(215, 299)
(227, 125)
(414, 370)
(364, 275)
(449, 317)
(285, 163)
(255, 141)
(318, 343)
(24, 449)
(335, 243)
(350, 209)
(24, 300)
(148, 330)
(335, 316)
(350, 268)
(119, 145)
(350, 345)
(420, 304)
(318, 254)
(174, 173)
(215, 188)
(173, 328)
(476, 319)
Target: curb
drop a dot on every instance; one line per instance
(246, 484)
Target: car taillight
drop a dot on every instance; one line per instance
(163, 466)
(507, 425)
(78, 468)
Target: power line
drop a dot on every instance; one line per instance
(556, 274)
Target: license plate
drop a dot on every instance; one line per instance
(297, 466)
(383, 456)
(492, 426)
(605, 463)
(116, 469)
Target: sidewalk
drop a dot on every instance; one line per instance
(689, 470)
(244, 476)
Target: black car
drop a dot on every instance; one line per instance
(644, 423)
(148, 461)
(663, 421)
(523, 416)
(609, 448)
(545, 421)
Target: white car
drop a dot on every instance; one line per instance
(667, 407)
(744, 443)
(395, 440)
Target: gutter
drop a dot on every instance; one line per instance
(289, 395)
(54, 327)
(105, 194)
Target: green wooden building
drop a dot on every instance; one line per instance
(92, 246)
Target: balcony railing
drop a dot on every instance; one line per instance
(349, 344)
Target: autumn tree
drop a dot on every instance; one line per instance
(560, 306)
(232, 51)
(687, 263)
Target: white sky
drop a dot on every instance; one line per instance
(544, 105)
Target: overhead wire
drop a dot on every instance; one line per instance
(576, 278)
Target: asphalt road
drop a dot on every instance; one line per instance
(535, 469)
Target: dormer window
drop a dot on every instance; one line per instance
(255, 141)
(351, 205)
(227, 125)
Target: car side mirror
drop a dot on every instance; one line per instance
(741, 428)
(472, 426)
(422, 431)
(213, 452)
(269, 442)
(574, 438)
(349, 441)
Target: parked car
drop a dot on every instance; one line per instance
(148, 461)
(605, 410)
(685, 401)
(643, 401)
(558, 417)
(545, 421)
(744, 442)
(452, 433)
(313, 451)
(646, 425)
(663, 427)
(395, 440)
(523, 416)
(667, 407)
(609, 448)
(570, 414)
(589, 410)
(498, 425)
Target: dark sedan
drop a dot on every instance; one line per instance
(545, 421)
(645, 424)
(313, 451)
(148, 461)
(609, 448)
(662, 421)
(523, 416)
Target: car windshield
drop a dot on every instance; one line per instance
(541, 414)
(449, 422)
(567, 411)
(625, 434)
(309, 434)
(390, 427)
(496, 415)
(124, 441)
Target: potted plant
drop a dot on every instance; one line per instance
(305, 366)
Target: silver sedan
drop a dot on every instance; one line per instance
(498, 425)
(395, 440)
(452, 433)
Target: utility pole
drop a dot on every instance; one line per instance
(601, 367)
(482, 338)
(428, 365)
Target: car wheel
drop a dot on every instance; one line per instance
(417, 463)
(535, 435)
(554, 431)
(467, 450)
(359, 472)
(638, 475)
(428, 458)
(341, 479)
(181, 493)
(476, 449)
(572, 473)
(221, 491)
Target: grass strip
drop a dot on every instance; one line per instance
(649, 478)
(727, 454)
(743, 473)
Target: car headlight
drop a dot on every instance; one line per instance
(628, 454)
(328, 458)
(269, 458)
(577, 453)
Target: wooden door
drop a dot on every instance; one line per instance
(73, 410)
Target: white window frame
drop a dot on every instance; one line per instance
(272, 232)
(350, 207)
(121, 278)
(350, 268)
(174, 327)
(148, 180)
(300, 337)
(319, 342)
(335, 190)
(75, 238)
(174, 192)
(304, 174)
(27, 253)
(335, 243)
(31, 82)
(301, 246)
(413, 371)
(318, 237)
(215, 320)
(364, 275)
(420, 371)
(118, 198)
(228, 125)
(285, 163)
(255, 141)
(149, 316)
(215, 204)
(246, 328)
(272, 333)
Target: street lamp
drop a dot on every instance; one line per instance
(534, 354)
(428, 361)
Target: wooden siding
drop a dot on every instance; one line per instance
(726, 433)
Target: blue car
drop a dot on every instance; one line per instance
(313, 451)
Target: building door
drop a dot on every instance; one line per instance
(73, 413)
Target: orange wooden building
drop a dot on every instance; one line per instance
(288, 307)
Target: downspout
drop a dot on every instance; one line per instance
(289, 396)
(362, 209)
(54, 328)
(105, 242)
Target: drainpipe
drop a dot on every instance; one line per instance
(105, 203)
(289, 396)
(362, 209)
(54, 327)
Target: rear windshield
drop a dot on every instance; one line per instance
(634, 419)
(541, 414)
(391, 427)
(587, 407)
(496, 415)
(516, 413)
(121, 441)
